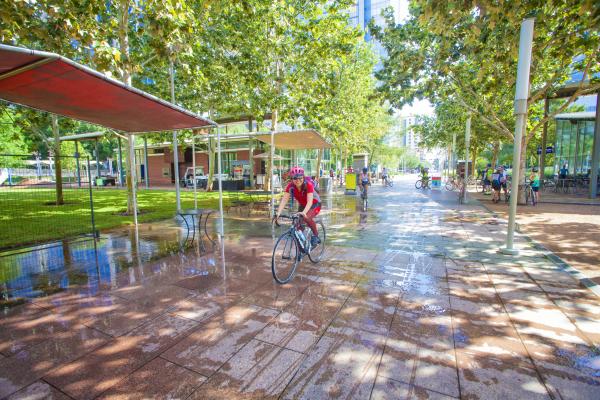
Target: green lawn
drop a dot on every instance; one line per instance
(27, 217)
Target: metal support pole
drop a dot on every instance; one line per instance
(251, 154)
(175, 150)
(467, 145)
(91, 197)
(121, 180)
(133, 178)
(272, 203)
(146, 169)
(194, 170)
(595, 152)
(521, 95)
(97, 161)
(77, 161)
(221, 229)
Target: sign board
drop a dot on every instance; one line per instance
(539, 150)
(549, 150)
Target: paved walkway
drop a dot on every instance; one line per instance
(413, 302)
(571, 231)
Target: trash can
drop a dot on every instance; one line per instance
(436, 182)
(351, 183)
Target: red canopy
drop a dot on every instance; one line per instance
(49, 82)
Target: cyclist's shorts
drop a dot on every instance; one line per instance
(487, 182)
(496, 185)
(503, 184)
(364, 183)
(315, 206)
(535, 188)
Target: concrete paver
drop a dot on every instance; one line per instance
(411, 301)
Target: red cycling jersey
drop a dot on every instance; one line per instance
(301, 195)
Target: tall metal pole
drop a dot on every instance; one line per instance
(595, 152)
(91, 198)
(77, 160)
(467, 145)
(97, 161)
(194, 170)
(120, 163)
(521, 95)
(146, 168)
(175, 150)
(272, 202)
(221, 229)
(133, 178)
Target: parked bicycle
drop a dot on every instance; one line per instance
(293, 245)
(451, 184)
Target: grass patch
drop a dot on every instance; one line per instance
(25, 217)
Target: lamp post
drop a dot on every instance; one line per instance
(467, 145)
(521, 95)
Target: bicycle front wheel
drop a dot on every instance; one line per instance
(286, 255)
(315, 255)
(418, 184)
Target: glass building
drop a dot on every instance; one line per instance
(574, 142)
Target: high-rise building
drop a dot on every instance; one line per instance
(364, 10)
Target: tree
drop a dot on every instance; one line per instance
(468, 52)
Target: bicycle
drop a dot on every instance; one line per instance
(365, 199)
(451, 184)
(422, 183)
(388, 182)
(293, 245)
(530, 195)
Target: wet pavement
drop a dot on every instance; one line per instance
(412, 301)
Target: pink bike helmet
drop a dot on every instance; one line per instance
(296, 171)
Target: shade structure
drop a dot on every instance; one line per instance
(265, 156)
(299, 139)
(49, 82)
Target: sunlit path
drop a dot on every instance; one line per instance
(412, 301)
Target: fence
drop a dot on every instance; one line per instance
(29, 212)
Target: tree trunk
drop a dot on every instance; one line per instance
(475, 153)
(123, 10)
(57, 162)
(269, 169)
(495, 151)
(211, 163)
(319, 153)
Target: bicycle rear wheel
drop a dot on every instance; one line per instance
(286, 255)
(418, 184)
(315, 255)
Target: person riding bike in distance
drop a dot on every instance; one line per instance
(309, 202)
(364, 181)
(384, 175)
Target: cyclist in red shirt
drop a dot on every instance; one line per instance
(308, 200)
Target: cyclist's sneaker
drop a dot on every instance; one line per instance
(314, 241)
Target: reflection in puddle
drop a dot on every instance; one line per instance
(51, 268)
